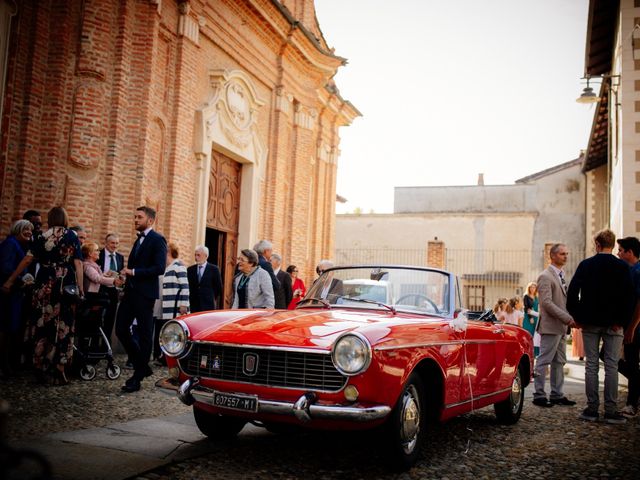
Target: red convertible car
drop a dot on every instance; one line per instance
(384, 347)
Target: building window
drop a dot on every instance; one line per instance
(474, 297)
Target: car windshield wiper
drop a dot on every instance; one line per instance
(314, 299)
(373, 302)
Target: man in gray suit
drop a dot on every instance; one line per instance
(554, 321)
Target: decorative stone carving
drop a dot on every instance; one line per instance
(187, 25)
(230, 115)
(283, 100)
(305, 117)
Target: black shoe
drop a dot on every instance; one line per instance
(542, 402)
(562, 401)
(131, 385)
(147, 371)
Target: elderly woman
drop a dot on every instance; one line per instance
(252, 286)
(52, 323)
(12, 251)
(93, 275)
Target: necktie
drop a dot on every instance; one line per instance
(562, 281)
(200, 270)
(112, 263)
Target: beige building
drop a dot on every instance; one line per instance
(494, 237)
(612, 163)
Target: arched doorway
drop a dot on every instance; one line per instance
(223, 214)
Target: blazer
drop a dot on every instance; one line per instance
(601, 292)
(119, 260)
(284, 294)
(148, 261)
(554, 317)
(203, 293)
(266, 265)
(259, 290)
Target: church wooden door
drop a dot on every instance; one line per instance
(223, 213)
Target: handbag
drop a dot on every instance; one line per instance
(71, 293)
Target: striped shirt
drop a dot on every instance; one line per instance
(175, 290)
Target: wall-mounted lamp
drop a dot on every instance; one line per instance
(588, 95)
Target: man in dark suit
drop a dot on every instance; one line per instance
(111, 263)
(205, 283)
(264, 249)
(146, 262)
(285, 293)
(601, 299)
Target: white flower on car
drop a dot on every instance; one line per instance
(459, 324)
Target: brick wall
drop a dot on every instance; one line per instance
(100, 104)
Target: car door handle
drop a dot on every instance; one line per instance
(498, 330)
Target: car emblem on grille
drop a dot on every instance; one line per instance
(250, 364)
(216, 363)
(203, 361)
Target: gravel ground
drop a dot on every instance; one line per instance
(36, 409)
(544, 444)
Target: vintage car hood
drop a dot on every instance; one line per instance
(310, 328)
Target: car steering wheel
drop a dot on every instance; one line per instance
(418, 296)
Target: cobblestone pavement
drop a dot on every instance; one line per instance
(545, 444)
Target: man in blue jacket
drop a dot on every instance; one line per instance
(601, 300)
(146, 262)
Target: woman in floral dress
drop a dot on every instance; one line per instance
(52, 325)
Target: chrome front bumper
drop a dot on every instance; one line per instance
(304, 409)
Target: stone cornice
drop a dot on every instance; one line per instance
(297, 35)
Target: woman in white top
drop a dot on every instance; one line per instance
(513, 313)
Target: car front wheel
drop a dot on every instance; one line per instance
(508, 411)
(406, 425)
(217, 427)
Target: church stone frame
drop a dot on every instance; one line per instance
(227, 122)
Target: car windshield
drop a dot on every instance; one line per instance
(409, 289)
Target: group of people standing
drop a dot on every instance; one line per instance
(601, 301)
(45, 274)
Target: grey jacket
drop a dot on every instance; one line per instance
(554, 316)
(259, 290)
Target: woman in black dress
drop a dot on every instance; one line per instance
(52, 324)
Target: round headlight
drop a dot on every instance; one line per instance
(173, 338)
(351, 354)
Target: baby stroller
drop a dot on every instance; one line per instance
(92, 344)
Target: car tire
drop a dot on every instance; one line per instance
(508, 411)
(405, 430)
(217, 427)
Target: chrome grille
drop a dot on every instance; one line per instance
(276, 368)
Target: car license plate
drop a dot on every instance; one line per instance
(245, 403)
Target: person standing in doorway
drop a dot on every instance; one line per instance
(205, 283)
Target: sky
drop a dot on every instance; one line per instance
(450, 89)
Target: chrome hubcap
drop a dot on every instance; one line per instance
(410, 419)
(516, 394)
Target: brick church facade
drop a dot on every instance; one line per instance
(221, 114)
